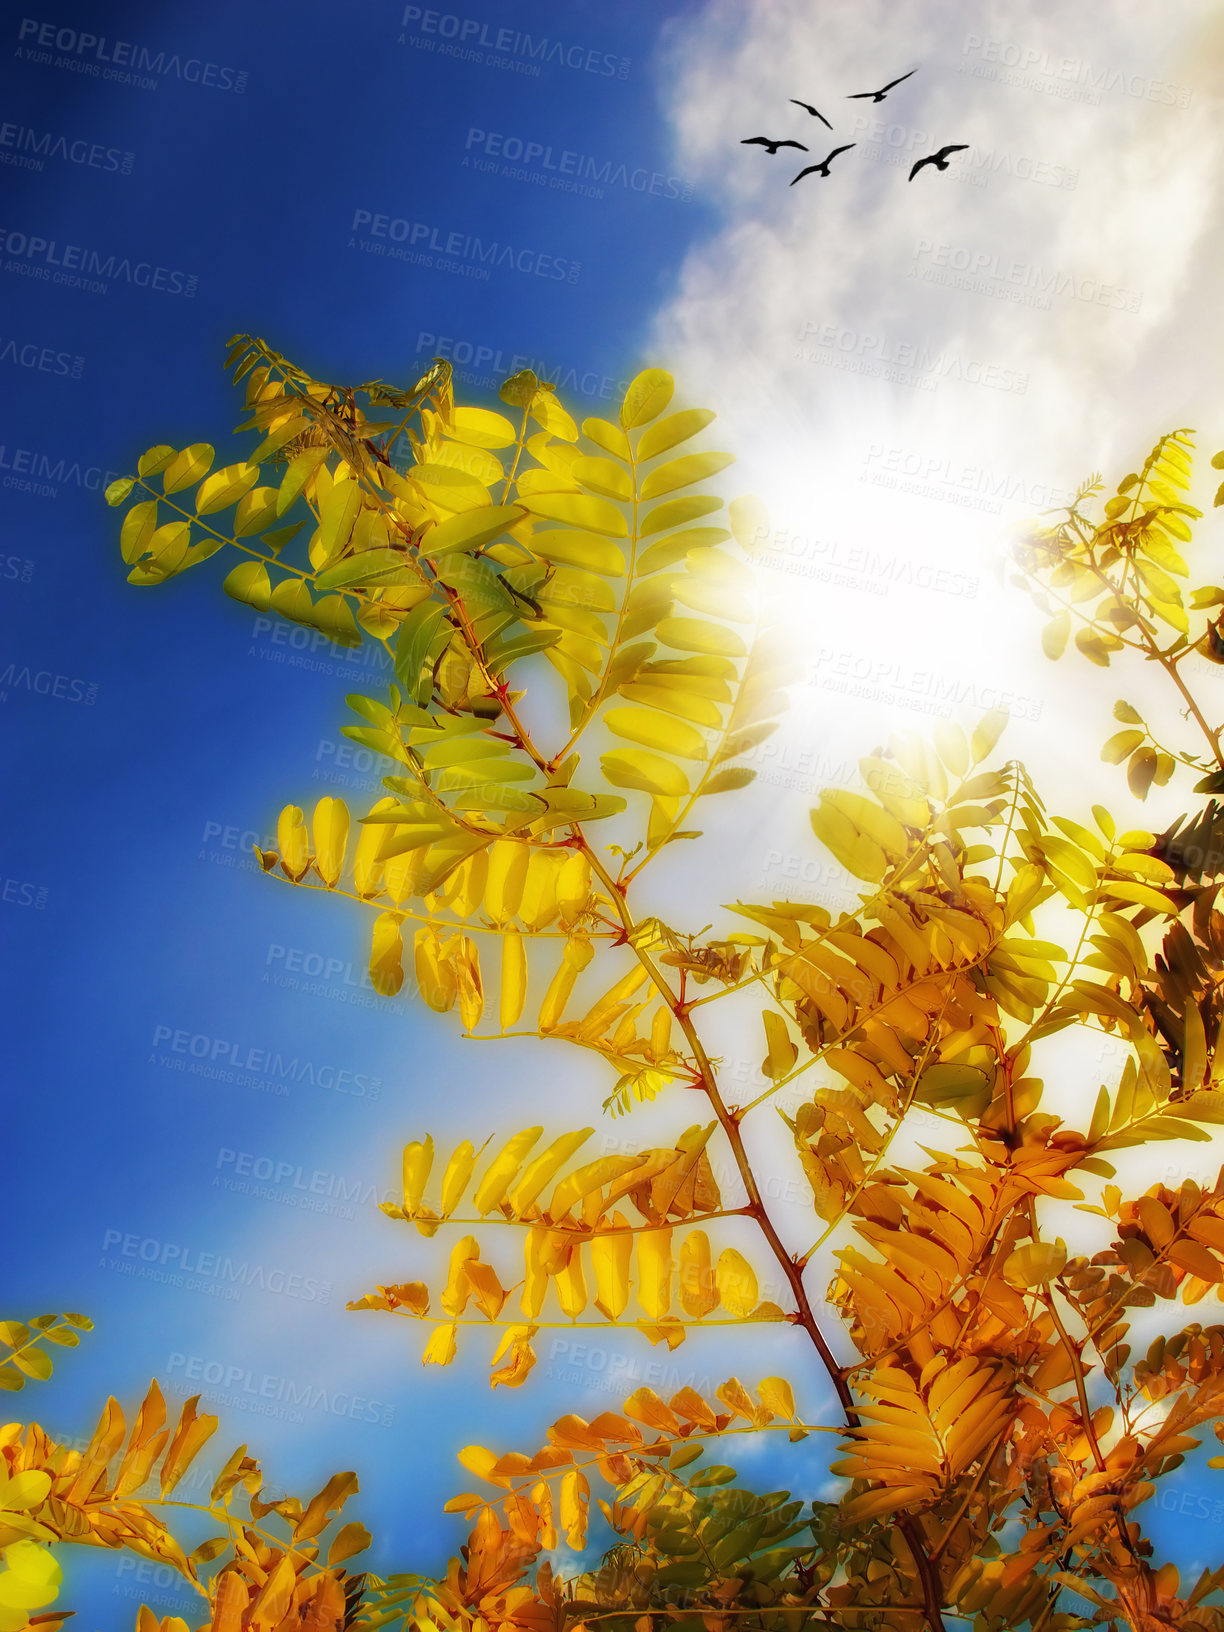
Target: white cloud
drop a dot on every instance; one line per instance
(1096, 195)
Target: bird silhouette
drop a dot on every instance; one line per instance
(822, 169)
(940, 159)
(878, 96)
(764, 141)
(815, 112)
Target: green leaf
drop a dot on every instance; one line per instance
(519, 390)
(412, 643)
(368, 568)
(296, 472)
(504, 650)
(470, 529)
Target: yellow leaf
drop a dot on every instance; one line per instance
(250, 584)
(670, 432)
(331, 826)
(500, 1174)
(455, 1294)
(545, 1168)
(603, 476)
(573, 1509)
(736, 1282)
(418, 1159)
(572, 887)
(777, 1396)
(697, 635)
(582, 550)
(698, 1288)
(574, 959)
(225, 487)
(481, 428)
(386, 955)
(293, 842)
(654, 1262)
(455, 1179)
(593, 515)
(666, 733)
(513, 979)
(636, 768)
(471, 529)
(647, 396)
(187, 467)
(138, 528)
(571, 1284)
(441, 1347)
(507, 874)
(436, 978)
(336, 517)
(683, 472)
(611, 1256)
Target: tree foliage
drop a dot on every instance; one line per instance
(999, 1429)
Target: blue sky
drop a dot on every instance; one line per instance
(251, 184)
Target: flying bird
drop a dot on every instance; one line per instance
(815, 112)
(764, 141)
(878, 96)
(940, 159)
(822, 169)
